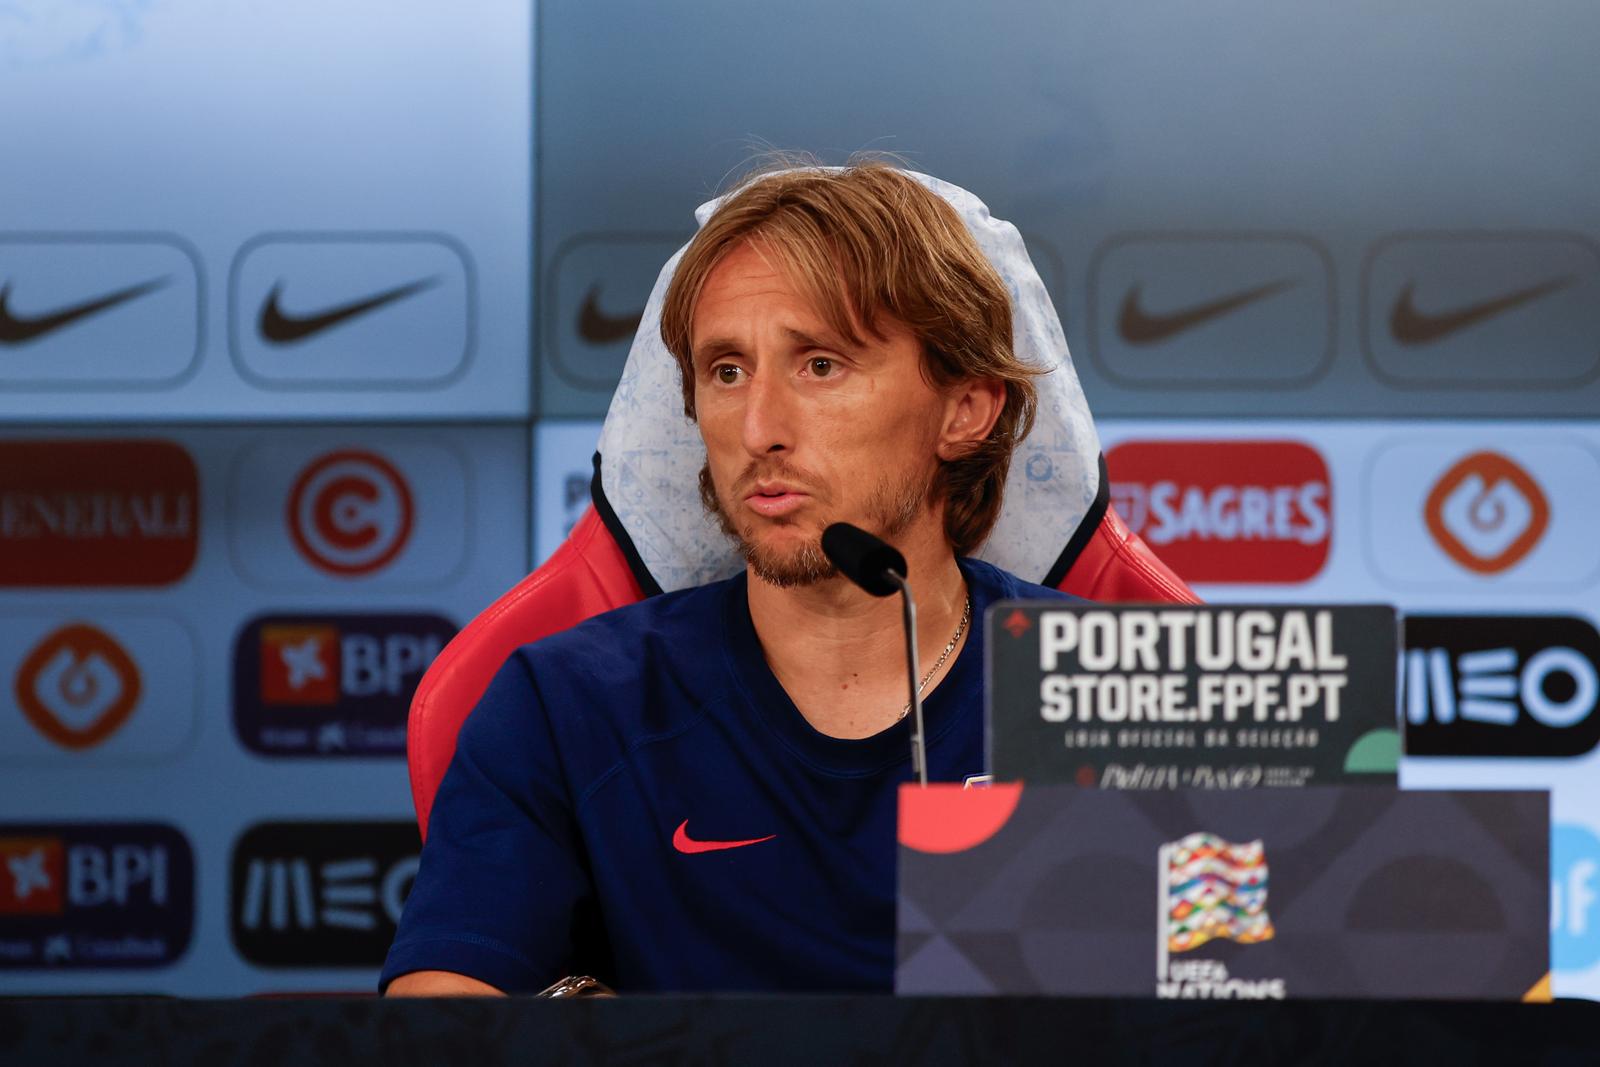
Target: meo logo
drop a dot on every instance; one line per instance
(350, 513)
(320, 894)
(1501, 685)
(77, 686)
(1486, 513)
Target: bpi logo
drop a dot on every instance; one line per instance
(350, 513)
(1574, 894)
(321, 894)
(1498, 685)
(100, 895)
(33, 879)
(1227, 511)
(77, 686)
(1487, 513)
(331, 685)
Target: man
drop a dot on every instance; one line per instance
(698, 791)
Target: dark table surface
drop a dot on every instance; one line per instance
(770, 1031)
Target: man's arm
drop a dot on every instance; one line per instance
(501, 876)
(440, 984)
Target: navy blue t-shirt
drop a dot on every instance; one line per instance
(638, 799)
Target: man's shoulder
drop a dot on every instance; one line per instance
(624, 662)
(1001, 584)
(662, 620)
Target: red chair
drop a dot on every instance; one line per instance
(647, 531)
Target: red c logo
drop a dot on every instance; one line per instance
(350, 513)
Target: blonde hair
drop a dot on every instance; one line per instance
(863, 241)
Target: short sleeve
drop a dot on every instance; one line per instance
(501, 880)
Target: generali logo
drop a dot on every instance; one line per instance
(1486, 513)
(97, 513)
(1227, 511)
(350, 513)
(77, 686)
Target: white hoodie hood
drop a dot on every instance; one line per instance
(651, 454)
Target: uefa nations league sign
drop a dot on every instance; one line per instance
(1165, 697)
(1197, 894)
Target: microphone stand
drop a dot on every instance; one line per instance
(919, 747)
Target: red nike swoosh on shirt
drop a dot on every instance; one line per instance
(688, 845)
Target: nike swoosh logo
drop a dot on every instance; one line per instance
(1413, 327)
(282, 328)
(18, 329)
(1140, 327)
(597, 327)
(685, 844)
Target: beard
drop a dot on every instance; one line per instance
(892, 506)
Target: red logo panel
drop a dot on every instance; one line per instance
(300, 665)
(31, 876)
(101, 513)
(1227, 511)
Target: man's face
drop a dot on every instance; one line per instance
(802, 428)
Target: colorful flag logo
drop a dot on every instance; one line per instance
(1212, 888)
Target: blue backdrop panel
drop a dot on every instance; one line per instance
(1387, 211)
(265, 210)
(268, 683)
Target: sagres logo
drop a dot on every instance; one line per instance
(1501, 685)
(318, 894)
(96, 513)
(350, 513)
(1210, 889)
(331, 685)
(77, 686)
(1227, 511)
(94, 895)
(1486, 512)
(1574, 894)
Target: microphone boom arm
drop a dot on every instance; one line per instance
(919, 745)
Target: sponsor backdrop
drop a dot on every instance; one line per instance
(308, 315)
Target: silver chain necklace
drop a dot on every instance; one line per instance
(955, 639)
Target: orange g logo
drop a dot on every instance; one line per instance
(77, 686)
(1487, 513)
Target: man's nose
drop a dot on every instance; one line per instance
(769, 415)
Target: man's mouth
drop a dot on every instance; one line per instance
(775, 499)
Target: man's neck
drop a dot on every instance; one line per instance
(840, 653)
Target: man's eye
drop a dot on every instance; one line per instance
(821, 367)
(726, 373)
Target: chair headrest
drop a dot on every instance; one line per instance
(648, 466)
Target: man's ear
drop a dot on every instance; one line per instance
(969, 415)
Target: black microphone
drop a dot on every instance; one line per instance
(879, 568)
(863, 559)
